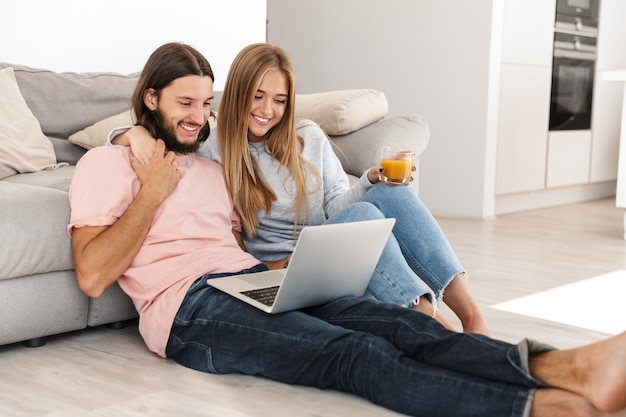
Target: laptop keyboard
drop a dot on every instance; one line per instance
(263, 295)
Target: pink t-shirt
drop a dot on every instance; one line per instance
(191, 234)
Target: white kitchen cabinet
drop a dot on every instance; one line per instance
(528, 32)
(568, 157)
(608, 94)
(605, 129)
(616, 76)
(524, 107)
(522, 128)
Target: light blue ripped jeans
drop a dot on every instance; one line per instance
(417, 248)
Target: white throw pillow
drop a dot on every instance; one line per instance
(23, 146)
(343, 111)
(96, 134)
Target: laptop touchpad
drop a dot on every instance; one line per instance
(264, 279)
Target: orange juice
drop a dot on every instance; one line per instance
(397, 163)
(397, 171)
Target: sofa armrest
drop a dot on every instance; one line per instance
(360, 150)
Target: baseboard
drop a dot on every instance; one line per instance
(512, 203)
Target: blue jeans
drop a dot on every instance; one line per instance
(395, 357)
(418, 259)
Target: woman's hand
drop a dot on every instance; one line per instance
(141, 143)
(373, 174)
(281, 263)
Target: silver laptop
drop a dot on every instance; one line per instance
(328, 262)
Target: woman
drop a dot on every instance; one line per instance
(284, 175)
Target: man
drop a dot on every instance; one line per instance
(164, 228)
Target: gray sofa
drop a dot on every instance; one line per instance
(39, 296)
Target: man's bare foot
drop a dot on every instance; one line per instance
(559, 403)
(596, 372)
(603, 369)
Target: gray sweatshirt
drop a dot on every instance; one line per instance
(275, 238)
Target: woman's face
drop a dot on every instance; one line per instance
(268, 105)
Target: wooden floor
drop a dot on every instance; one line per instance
(107, 372)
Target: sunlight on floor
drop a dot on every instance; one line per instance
(597, 303)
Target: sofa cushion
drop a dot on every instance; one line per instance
(360, 150)
(96, 134)
(58, 179)
(84, 98)
(113, 305)
(23, 146)
(67, 151)
(33, 224)
(342, 111)
(40, 305)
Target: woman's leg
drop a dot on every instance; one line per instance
(393, 280)
(460, 300)
(428, 252)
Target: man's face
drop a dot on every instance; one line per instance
(182, 111)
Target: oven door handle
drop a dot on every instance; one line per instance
(584, 56)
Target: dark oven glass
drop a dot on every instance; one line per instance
(586, 11)
(572, 91)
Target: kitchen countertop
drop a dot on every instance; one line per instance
(614, 75)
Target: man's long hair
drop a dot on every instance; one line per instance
(166, 64)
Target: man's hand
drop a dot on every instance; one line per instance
(160, 175)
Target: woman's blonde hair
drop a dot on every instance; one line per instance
(249, 189)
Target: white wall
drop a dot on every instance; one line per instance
(119, 35)
(435, 58)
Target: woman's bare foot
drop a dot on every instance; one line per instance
(475, 324)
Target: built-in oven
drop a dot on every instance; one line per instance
(577, 14)
(573, 68)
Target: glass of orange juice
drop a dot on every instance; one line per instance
(397, 163)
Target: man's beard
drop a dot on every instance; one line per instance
(168, 134)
